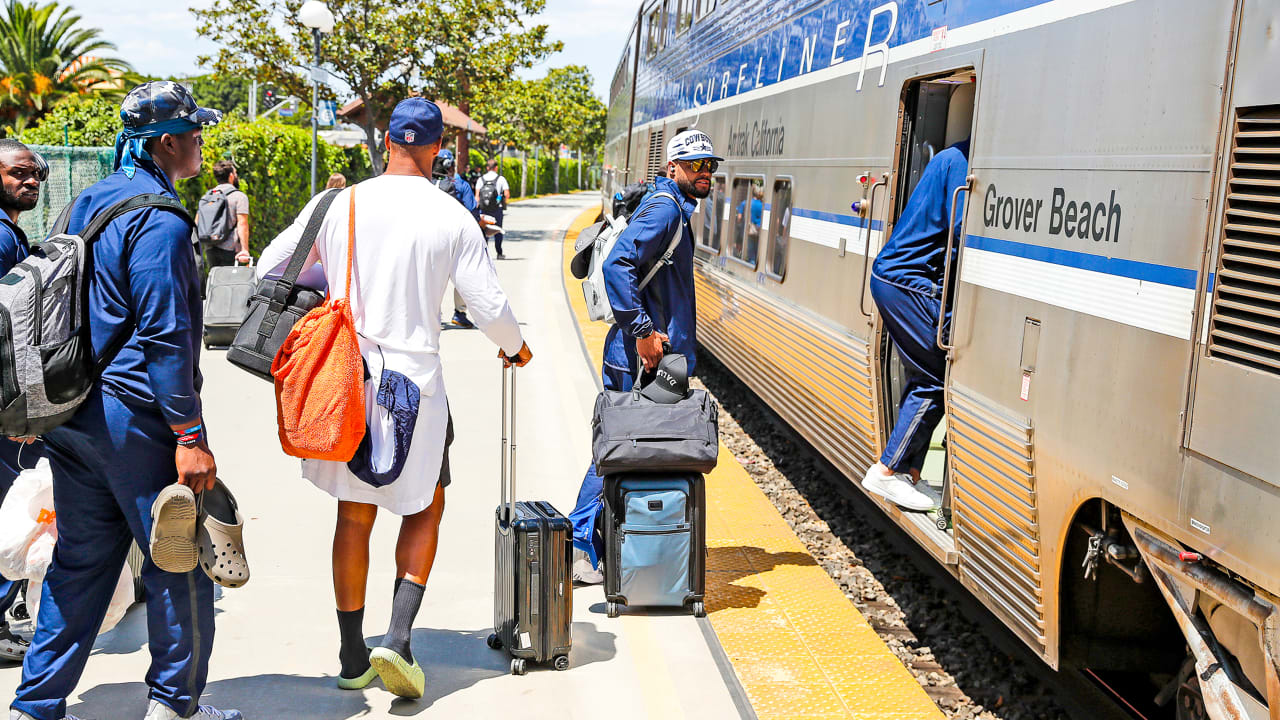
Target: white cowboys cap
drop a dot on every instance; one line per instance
(691, 145)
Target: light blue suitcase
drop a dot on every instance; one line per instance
(655, 541)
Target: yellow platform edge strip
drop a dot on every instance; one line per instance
(799, 647)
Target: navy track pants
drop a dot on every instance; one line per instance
(590, 505)
(109, 464)
(911, 318)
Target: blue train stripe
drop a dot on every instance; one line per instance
(1147, 272)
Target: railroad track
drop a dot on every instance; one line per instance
(968, 663)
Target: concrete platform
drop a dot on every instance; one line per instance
(275, 655)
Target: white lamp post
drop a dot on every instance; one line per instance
(317, 16)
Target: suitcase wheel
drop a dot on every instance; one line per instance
(699, 610)
(562, 662)
(613, 609)
(518, 666)
(493, 641)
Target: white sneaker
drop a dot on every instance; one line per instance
(159, 711)
(583, 572)
(897, 489)
(17, 715)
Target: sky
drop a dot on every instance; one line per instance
(593, 32)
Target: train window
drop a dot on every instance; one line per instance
(664, 23)
(703, 8)
(748, 216)
(779, 228)
(713, 216)
(684, 15)
(655, 30)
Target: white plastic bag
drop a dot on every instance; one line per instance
(27, 525)
(121, 600)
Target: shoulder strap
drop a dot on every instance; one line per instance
(306, 242)
(671, 246)
(283, 288)
(95, 227)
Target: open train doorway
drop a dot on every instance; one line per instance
(937, 112)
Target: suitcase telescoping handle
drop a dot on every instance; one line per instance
(508, 459)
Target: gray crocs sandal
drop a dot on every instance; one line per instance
(173, 530)
(220, 538)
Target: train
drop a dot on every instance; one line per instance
(1108, 474)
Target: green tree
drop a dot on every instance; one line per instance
(374, 49)
(382, 50)
(81, 120)
(478, 46)
(559, 109)
(46, 54)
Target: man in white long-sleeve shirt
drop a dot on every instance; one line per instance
(411, 239)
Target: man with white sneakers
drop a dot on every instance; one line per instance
(906, 282)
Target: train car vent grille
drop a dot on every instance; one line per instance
(1245, 326)
(656, 151)
(995, 511)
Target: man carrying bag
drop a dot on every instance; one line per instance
(663, 312)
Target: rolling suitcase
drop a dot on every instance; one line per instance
(226, 302)
(655, 540)
(532, 586)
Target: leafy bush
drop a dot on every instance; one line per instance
(273, 162)
(81, 120)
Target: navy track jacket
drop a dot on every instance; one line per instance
(667, 304)
(145, 284)
(912, 259)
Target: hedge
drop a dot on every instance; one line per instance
(274, 165)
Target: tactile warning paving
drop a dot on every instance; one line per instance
(800, 648)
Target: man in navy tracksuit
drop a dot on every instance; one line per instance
(447, 179)
(21, 172)
(906, 282)
(140, 430)
(663, 312)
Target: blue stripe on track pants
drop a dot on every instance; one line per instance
(911, 318)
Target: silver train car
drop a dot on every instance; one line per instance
(1110, 472)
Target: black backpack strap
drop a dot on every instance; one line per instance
(90, 235)
(99, 223)
(285, 285)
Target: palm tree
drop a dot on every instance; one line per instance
(45, 54)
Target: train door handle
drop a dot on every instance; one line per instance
(946, 259)
(866, 247)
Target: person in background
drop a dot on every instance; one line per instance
(402, 266)
(336, 180)
(21, 172)
(664, 312)
(232, 245)
(493, 192)
(135, 454)
(906, 283)
(442, 172)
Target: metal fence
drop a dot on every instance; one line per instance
(71, 169)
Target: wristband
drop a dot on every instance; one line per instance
(191, 436)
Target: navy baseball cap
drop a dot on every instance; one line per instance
(415, 121)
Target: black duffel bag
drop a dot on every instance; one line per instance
(631, 433)
(277, 305)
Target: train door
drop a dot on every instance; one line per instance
(936, 112)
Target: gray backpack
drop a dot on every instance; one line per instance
(47, 366)
(214, 221)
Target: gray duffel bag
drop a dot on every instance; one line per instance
(631, 433)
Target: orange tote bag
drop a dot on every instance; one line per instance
(319, 377)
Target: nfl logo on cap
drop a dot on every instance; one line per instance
(408, 136)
